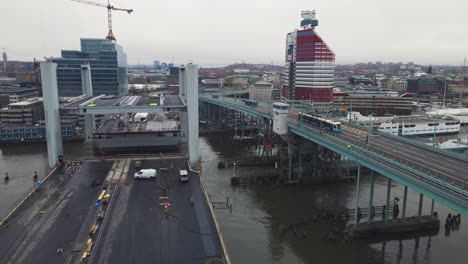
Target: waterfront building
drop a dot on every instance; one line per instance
(425, 86)
(108, 63)
(14, 95)
(374, 105)
(27, 112)
(212, 83)
(310, 65)
(261, 91)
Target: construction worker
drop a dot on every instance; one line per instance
(349, 146)
(39, 184)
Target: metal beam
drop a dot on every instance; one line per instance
(405, 197)
(387, 204)
(371, 197)
(356, 211)
(421, 197)
(432, 207)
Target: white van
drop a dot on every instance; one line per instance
(145, 174)
(183, 176)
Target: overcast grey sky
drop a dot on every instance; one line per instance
(219, 32)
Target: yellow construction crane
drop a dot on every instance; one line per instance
(110, 35)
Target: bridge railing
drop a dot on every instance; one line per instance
(247, 109)
(361, 143)
(412, 142)
(358, 142)
(392, 164)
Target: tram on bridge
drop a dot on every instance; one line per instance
(319, 121)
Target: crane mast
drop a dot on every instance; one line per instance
(110, 34)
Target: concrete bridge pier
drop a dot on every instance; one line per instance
(290, 157)
(51, 111)
(394, 225)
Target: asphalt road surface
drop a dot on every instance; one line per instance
(141, 231)
(52, 218)
(136, 228)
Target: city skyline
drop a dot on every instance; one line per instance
(211, 33)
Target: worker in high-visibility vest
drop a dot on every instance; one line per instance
(349, 146)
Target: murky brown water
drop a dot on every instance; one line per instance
(253, 230)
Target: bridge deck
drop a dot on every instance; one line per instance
(135, 229)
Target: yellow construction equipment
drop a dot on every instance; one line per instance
(93, 230)
(101, 214)
(87, 250)
(106, 198)
(101, 196)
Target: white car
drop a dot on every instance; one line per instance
(183, 176)
(145, 174)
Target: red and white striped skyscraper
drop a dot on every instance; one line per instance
(310, 65)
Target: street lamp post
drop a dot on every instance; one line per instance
(369, 130)
(435, 129)
(350, 110)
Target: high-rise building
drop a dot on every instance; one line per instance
(310, 65)
(156, 65)
(108, 63)
(163, 66)
(5, 59)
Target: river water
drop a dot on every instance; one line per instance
(253, 231)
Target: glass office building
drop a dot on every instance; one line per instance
(108, 65)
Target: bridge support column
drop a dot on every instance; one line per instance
(432, 207)
(242, 124)
(300, 159)
(371, 197)
(405, 197)
(191, 89)
(51, 112)
(358, 177)
(90, 125)
(290, 154)
(387, 204)
(420, 204)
